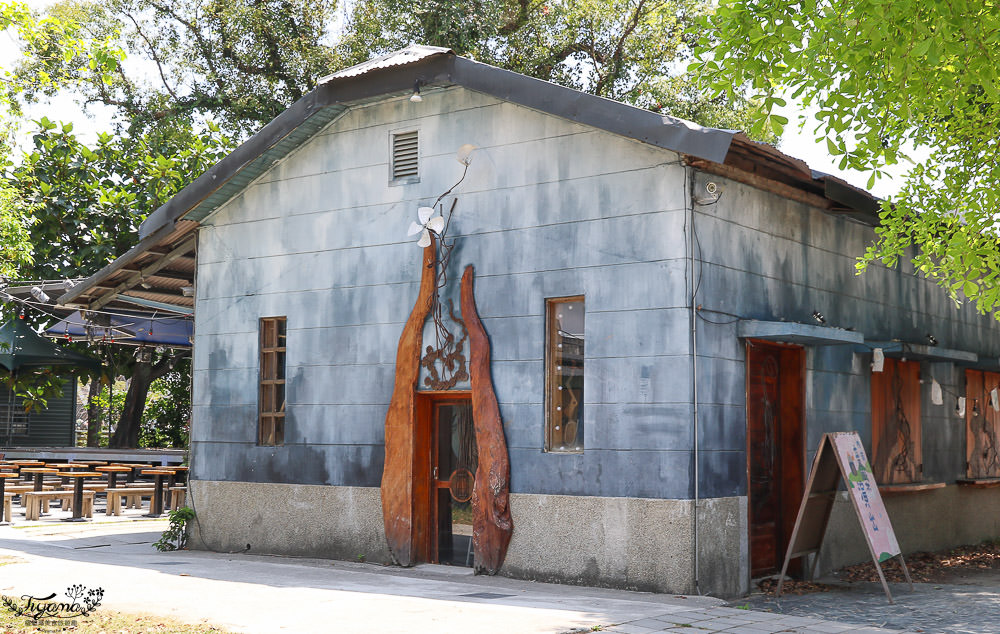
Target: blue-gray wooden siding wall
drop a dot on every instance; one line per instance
(768, 258)
(54, 426)
(549, 209)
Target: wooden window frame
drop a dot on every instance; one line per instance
(890, 463)
(270, 413)
(550, 373)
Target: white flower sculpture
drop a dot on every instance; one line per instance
(425, 226)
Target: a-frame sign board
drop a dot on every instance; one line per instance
(842, 456)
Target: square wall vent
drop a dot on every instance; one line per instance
(405, 147)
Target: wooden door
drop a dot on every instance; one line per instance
(454, 459)
(775, 449)
(896, 448)
(982, 424)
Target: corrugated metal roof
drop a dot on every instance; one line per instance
(408, 55)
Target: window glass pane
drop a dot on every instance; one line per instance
(267, 398)
(565, 374)
(267, 368)
(266, 430)
(279, 430)
(279, 370)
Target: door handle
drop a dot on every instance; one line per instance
(434, 474)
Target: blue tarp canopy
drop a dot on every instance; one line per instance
(135, 329)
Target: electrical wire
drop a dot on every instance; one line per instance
(37, 306)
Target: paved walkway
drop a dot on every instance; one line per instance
(248, 593)
(968, 608)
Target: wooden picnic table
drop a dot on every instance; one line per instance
(179, 472)
(79, 476)
(67, 466)
(112, 472)
(38, 473)
(135, 466)
(3, 480)
(156, 507)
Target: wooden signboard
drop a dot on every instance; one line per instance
(841, 456)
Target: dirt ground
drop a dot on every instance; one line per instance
(964, 565)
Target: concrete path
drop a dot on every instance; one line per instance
(249, 593)
(971, 607)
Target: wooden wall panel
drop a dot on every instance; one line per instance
(400, 421)
(981, 425)
(491, 522)
(896, 446)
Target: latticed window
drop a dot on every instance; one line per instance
(271, 422)
(564, 374)
(896, 447)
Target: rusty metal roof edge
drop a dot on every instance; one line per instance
(118, 263)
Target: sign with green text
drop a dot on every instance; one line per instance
(841, 458)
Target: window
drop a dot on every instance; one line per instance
(896, 450)
(982, 424)
(405, 146)
(564, 318)
(271, 422)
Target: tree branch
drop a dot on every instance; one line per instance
(152, 53)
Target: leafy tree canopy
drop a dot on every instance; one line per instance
(884, 75)
(242, 62)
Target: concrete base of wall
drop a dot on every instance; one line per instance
(634, 543)
(924, 520)
(289, 519)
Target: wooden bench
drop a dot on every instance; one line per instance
(6, 509)
(33, 501)
(115, 498)
(176, 496)
(21, 489)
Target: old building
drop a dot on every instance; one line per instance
(674, 320)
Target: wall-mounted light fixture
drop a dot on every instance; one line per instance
(415, 97)
(878, 360)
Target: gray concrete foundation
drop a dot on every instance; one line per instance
(629, 543)
(923, 520)
(289, 519)
(633, 543)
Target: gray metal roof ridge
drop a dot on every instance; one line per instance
(408, 55)
(441, 66)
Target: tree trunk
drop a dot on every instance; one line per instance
(94, 414)
(126, 434)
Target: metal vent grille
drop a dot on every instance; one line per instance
(404, 155)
